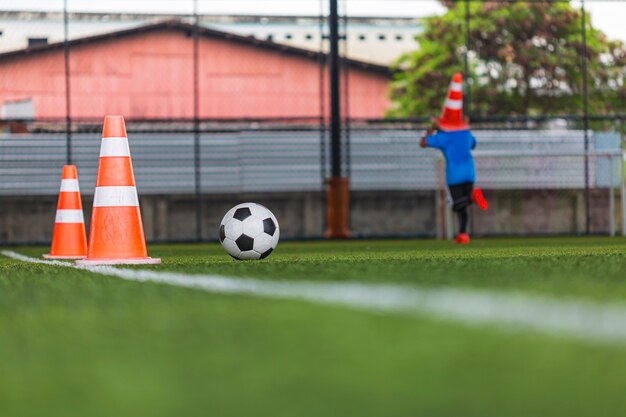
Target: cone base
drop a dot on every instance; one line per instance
(123, 261)
(68, 257)
(452, 127)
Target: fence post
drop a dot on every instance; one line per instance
(322, 115)
(466, 77)
(623, 193)
(445, 226)
(439, 203)
(337, 204)
(585, 93)
(611, 198)
(68, 108)
(196, 124)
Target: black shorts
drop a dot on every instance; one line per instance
(461, 195)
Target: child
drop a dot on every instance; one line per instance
(450, 134)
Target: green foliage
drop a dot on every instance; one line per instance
(524, 57)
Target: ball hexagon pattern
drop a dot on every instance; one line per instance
(249, 231)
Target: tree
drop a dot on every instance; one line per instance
(525, 59)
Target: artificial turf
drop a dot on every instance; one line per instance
(74, 343)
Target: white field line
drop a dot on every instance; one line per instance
(600, 322)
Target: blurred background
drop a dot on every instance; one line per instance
(227, 102)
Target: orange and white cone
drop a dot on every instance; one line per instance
(452, 114)
(68, 238)
(116, 232)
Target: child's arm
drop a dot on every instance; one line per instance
(432, 129)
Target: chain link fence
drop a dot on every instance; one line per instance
(223, 108)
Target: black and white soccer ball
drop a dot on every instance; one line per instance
(249, 231)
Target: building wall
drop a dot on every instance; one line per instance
(373, 214)
(150, 75)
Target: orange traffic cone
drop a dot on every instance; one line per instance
(68, 238)
(452, 114)
(116, 233)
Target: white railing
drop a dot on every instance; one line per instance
(259, 161)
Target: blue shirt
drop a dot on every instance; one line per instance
(457, 149)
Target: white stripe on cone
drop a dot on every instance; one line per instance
(116, 196)
(454, 104)
(69, 186)
(456, 87)
(114, 146)
(69, 216)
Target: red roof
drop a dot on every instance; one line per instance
(147, 72)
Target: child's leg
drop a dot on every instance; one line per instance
(461, 198)
(463, 219)
(479, 199)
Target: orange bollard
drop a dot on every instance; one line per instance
(338, 208)
(68, 238)
(116, 234)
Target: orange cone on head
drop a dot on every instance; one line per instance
(68, 238)
(116, 232)
(452, 114)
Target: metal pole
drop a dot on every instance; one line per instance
(346, 106)
(622, 193)
(196, 122)
(338, 191)
(68, 117)
(322, 110)
(346, 93)
(585, 116)
(335, 110)
(447, 227)
(623, 110)
(440, 200)
(466, 76)
(611, 199)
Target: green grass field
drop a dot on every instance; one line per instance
(76, 343)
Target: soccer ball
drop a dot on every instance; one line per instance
(249, 231)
